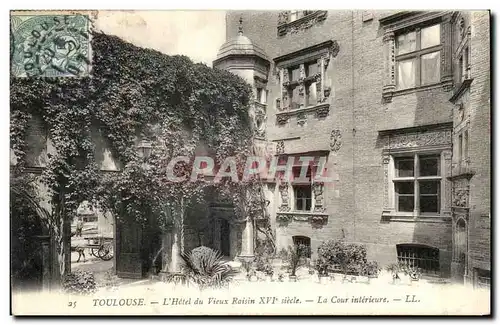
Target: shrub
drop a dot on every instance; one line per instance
(205, 267)
(349, 257)
(80, 283)
(321, 265)
(370, 269)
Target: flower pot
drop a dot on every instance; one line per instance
(253, 278)
(269, 278)
(396, 280)
(324, 279)
(292, 278)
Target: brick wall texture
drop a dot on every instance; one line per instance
(355, 201)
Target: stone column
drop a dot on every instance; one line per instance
(175, 251)
(247, 240)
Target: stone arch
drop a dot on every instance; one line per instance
(30, 241)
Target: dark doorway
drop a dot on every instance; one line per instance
(224, 237)
(26, 248)
(303, 240)
(129, 249)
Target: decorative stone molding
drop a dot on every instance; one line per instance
(461, 193)
(286, 26)
(318, 188)
(335, 140)
(283, 189)
(260, 119)
(282, 118)
(321, 111)
(321, 54)
(404, 20)
(301, 118)
(314, 218)
(280, 147)
(420, 139)
(386, 159)
(446, 52)
(411, 141)
(390, 66)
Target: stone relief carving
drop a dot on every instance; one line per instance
(461, 193)
(316, 219)
(283, 188)
(280, 147)
(419, 139)
(318, 197)
(322, 111)
(283, 17)
(285, 26)
(461, 26)
(301, 119)
(282, 119)
(335, 140)
(260, 124)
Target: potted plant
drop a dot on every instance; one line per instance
(394, 269)
(251, 274)
(295, 258)
(321, 267)
(370, 270)
(269, 272)
(414, 273)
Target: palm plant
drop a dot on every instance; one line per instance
(206, 268)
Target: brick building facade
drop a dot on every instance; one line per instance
(383, 97)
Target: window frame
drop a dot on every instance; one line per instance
(295, 186)
(404, 254)
(417, 179)
(416, 55)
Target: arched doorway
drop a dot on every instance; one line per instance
(30, 252)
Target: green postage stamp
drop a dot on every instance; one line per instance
(50, 44)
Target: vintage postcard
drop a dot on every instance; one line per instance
(280, 162)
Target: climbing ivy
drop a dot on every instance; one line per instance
(133, 92)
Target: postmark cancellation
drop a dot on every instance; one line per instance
(51, 43)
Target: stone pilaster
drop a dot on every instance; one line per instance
(446, 53)
(446, 191)
(389, 66)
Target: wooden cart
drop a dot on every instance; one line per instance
(100, 246)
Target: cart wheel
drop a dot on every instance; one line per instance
(106, 252)
(94, 252)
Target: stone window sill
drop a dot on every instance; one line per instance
(321, 110)
(390, 91)
(410, 217)
(308, 216)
